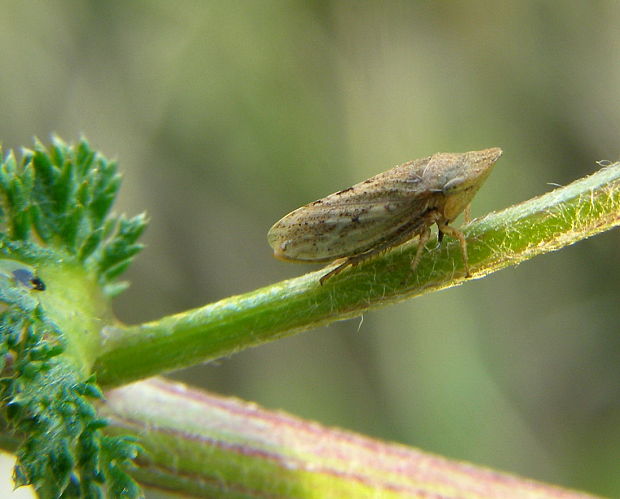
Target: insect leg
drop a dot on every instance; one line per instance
(419, 226)
(335, 271)
(439, 237)
(424, 236)
(467, 214)
(457, 234)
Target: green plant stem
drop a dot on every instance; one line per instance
(540, 225)
(206, 445)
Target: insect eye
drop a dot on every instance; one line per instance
(453, 184)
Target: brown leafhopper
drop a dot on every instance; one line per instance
(384, 211)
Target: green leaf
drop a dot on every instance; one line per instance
(56, 215)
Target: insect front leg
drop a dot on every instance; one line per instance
(424, 237)
(439, 238)
(457, 234)
(467, 214)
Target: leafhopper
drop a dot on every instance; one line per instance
(385, 211)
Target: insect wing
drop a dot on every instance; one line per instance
(351, 221)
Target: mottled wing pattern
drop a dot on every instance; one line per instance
(354, 220)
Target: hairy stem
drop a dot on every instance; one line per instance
(500, 239)
(223, 447)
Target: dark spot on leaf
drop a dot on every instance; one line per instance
(37, 284)
(28, 279)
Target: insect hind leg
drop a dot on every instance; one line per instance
(348, 261)
(352, 261)
(419, 227)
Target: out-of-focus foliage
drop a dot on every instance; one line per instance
(240, 112)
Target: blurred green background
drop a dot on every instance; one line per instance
(227, 115)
